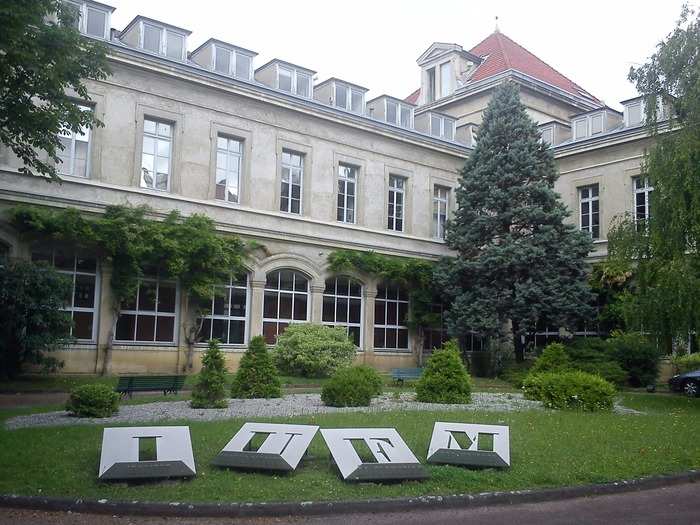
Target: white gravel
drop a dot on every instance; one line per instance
(289, 405)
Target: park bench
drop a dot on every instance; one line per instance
(406, 374)
(127, 385)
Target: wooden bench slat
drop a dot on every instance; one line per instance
(130, 384)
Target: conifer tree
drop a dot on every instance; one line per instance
(210, 390)
(519, 261)
(257, 375)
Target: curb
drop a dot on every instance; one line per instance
(310, 508)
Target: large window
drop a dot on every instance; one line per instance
(82, 271)
(342, 306)
(397, 186)
(76, 147)
(347, 190)
(286, 301)
(292, 180)
(589, 205)
(229, 160)
(225, 319)
(390, 316)
(150, 316)
(642, 192)
(157, 152)
(441, 201)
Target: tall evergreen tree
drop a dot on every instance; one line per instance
(518, 261)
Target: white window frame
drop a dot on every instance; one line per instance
(349, 91)
(346, 297)
(163, 44)
(155, 313)
(638, 103)
(156, 137)
(232, 157)
(347, 181)
(444, 123)
(589, 199)
(394, 303)
(83, 8)
(645, 190)
(393, 192)
(574, 131)
(211, 316)
(446, 89)
(547, 129)
(441, 200)
(293, 292)
(72, 137)
(234, 55)
(295, 79)
(292, 169)
(399, 108)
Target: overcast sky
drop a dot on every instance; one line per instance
(375, 43)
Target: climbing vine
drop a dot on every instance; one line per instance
(187, 249)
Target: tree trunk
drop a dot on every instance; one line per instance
(518, 345)
(107, 361)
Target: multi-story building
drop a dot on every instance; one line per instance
(303, 168)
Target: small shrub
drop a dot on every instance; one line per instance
(687, 363)
(570, 390)
(352, 387)
(210, 390)
(93, 401)
(313, 350)
(609, 370)
(637, 356)
(445, 379)
(256, 376)
(516, 373)
(553, 359)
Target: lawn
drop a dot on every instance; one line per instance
(548, 448)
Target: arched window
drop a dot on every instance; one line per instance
(390, 317)
(286, 301)
(225, 316)
(342, 306)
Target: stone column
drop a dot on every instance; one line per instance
(255, 314)
(317, 303)
(369, 293)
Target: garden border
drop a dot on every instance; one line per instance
(311, 508)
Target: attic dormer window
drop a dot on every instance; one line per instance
(446, 79)
(91, 19)
(232, 63)
(580, 128)
(634, 113)
(399, 114)
(293, 81)
(163, 41)
(348, 98)
(442, 127)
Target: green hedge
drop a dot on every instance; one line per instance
(687, 363)
(445, 379)
(93, 401)
(353, 386)
(553, 359)
(313, 350)
(257, 376)
(570, 390)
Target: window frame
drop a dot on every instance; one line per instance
(547, 129)
(292, 167)
(636, 104)
(349, 92)
(295, 74)
(83, 13)
(163, 40)
(156, 137)
(386, 326)
(342, 177)
(444, 122)
(645, 190)
(293, 292)
(446, 90)
(211, 316)
(239, 156)
(392, 192)
(72, 136)
(335, 295)
(439, 230)
(234, 55)
(400, 106)
(589, 200)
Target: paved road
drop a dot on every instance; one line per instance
(679, 504)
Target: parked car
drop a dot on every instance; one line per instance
(688, 383)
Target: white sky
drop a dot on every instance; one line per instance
(375, 43)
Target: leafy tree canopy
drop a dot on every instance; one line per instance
(518, 260)
(43, 62)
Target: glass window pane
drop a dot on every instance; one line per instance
(242, 66)
(303, 85)
(236, 332)
(145, 328)
(165, 330)
(96, 21)
(391, 109)
(435, 124)
(221, 301)
(402, 341)
(285, 306)
(270, 333)
(219, 330)
(223, 60)
(238, 302)
(125, 327)
(149, 126)
(355, 311)
(286, 280)
(405, 116)
(390, 338)
(341, 315)
(449, 125)
(328, 309)
(356, 102)
(270, 305)
(284, 79)
(445, 79)
(147, 296)
(164, 129)
(379, 313)
(341, 96)
(379, 340)
(84, 295)
(166, 297)
(175, 44)
(82, 325)
(354, 334)
(301, 283)
(300, 303)
(151, 38)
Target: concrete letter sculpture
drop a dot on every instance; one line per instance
(120, 453)
(282, 449)
(393, 459)
(445, 449)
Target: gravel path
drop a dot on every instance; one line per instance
(289, 405)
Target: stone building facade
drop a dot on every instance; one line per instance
(303, 168)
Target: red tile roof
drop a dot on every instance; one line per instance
(501, 54)
(413, 97)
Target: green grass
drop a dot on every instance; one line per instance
(53, 383)
(548, 449)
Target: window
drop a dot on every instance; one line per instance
(294, 81)
(445, 79)
(547, 135)
(243, 66)
(405, 116)
(74, 157)
(226, 313)
(441, 199)
(390, 315)
(292, 179)
(357, 101)
(155, 159)
(580, 129)
(589, 210)
(222, 60)
(303, 85)
(175, 45)
(150, 316)
(284, 79)
(396, 202)
(232, 63)
(634, 114)
(399, 114)
(347, 186)
(163, 41)
(391, 111)
(341, 96)
(342, 306)
(81, 269)
(229, 160)
(442, 127)
(642, 193)
(430, 96)
(286, 301)
(151, 38)
(90, 19)
(348, 98)
(596, 124)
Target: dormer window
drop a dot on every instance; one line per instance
(293, 81)
(547, 135)
(399, 114)
(233, 63)
(580, 128)
(446, 79)
(349, 98)
(634, 113)
(442, 127)
(92, 18)
(163, 41)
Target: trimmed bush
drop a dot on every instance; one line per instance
(687, 363)
(313, 350)
(354, 386)
(574, 390)
(637, 356)
(553, 359)
(256, 376)
(515, 373)
(210, 389)
(609, 370)
(445, 379)
(93, 401)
